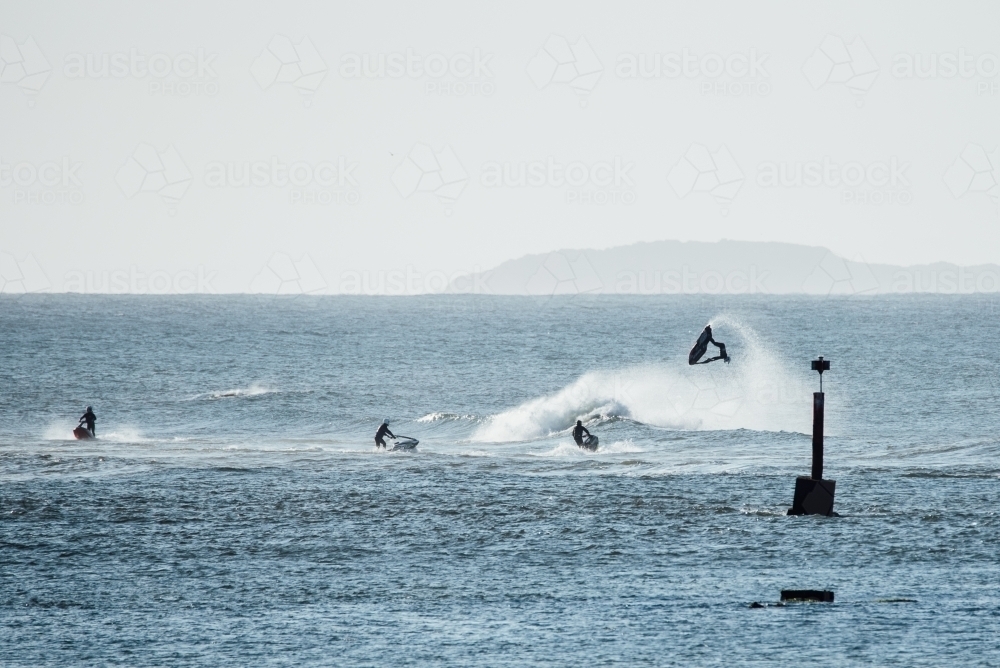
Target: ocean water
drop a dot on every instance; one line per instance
(234, 510)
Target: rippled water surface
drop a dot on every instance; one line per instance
(234, 511)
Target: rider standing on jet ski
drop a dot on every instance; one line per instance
(578, 431)
(90, 419)
(383, 429)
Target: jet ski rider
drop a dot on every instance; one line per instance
(90, 419)
(578, 431)
(383, 429)
(702, 345)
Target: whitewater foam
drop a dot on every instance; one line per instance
(62, 430)
(562, 449)
(617, 447)
(254, 390)
(123, 435)
(437, 416)
(754, 392)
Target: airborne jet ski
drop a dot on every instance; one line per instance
(702, 346)
(404, 443)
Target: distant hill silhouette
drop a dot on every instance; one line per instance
(727, 267)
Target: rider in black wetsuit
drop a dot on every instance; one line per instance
(706, 338)
(578, 431)
(90, 419)
(383, 429)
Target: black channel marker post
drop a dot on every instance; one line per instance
(813, 495)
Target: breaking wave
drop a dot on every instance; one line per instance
(754, 392)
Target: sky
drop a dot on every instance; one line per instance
(284, 146)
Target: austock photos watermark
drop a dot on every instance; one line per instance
(456, 74)
(425, 170)
(153, 171)
(849, 62)
(874, 182)
(961, 64)
(23, 64)
(411, 281)
(21, 276)
(442, 174)
(297, 64)
(132, 281)
(584, 183)
(164, 172)
(701, 170)
(284, 275)
(946, 281)
(842, 62)
(833, 276)
(976, 170)
(48, 182)
(733, 74)
(563, 63)
(182, 74)
(562, 273)
(324, 182)
(686, 281)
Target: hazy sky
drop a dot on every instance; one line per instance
(245, 142)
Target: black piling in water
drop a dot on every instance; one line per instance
(816, 595)
(817, 467)
(798, 596)
(813, 495)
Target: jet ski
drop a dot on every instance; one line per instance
(589, 443)
(701, 347)
(404, 443)
(82, 434)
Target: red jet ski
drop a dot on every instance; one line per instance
(82, 434)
